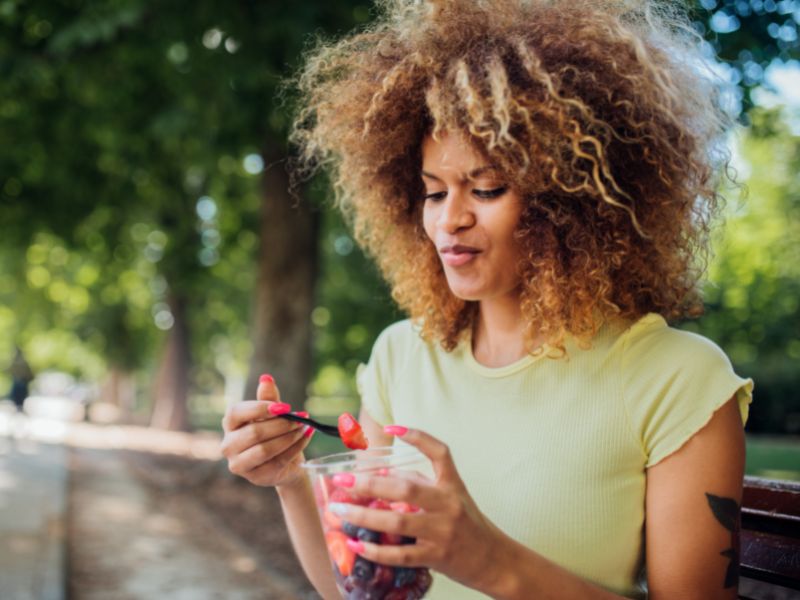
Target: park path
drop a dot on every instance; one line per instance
(127, 541)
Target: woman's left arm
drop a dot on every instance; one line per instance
(692, 507)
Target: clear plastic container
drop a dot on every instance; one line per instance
(357, 577)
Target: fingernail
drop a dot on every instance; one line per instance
(266, 378)
(398, 430)
(356, 546)
(344, 479)
(302, 413)
(339, 508)
(279, 408)
(309, 431)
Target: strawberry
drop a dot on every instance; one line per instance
(351, 432)
(342, 495)
(342, 556)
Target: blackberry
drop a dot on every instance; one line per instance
(404, 576)
(368, 535)
(349, 529)
(405, 540)
(363, 569)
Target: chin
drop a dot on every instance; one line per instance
(467, 294)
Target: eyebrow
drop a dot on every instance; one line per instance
(471, 175)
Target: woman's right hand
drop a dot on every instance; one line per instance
(260, 447)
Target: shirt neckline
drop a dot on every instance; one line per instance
(496, 372)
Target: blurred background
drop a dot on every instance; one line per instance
(153, 262)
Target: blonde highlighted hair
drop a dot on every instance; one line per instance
(599, 115)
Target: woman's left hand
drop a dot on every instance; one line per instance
(452, 535)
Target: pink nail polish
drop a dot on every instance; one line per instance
(309, 432)
(397, 430)
(266, 378)
(279, 408)
(355, 545)
(302, 413)
(344, 479)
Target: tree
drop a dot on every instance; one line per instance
(146, 107)
(752, 306)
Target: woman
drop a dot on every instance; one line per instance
(536, 181)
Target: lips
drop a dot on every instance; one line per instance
(458, 254)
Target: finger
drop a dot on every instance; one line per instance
(278, 463)
(414, 525)
(241, 413)
(411, 555)
(413, 490)
(267, 389)
(436, 450)
(254, 433)
(264, 452)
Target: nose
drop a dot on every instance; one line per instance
(455, 213)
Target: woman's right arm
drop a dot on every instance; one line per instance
(268, 451)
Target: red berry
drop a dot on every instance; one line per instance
(391, 538)
(423, 582)
(402, 593)
(383, 578)
(343, 495)
(342, 556)
(351, 432)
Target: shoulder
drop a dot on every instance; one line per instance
(396, 340)
(651, 342)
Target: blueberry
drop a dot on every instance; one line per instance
(368, 535)
(349, 529)
(404, 576)
(363, 569)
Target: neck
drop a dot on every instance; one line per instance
(498, 336)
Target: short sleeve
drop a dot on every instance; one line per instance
(673, 383)
(373, 380)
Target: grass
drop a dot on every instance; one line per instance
(773, 457)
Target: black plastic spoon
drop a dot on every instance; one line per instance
(327, 429)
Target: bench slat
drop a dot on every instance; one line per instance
(770, 538)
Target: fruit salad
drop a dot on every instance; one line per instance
(357, 577)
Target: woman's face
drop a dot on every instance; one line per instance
(470, 214)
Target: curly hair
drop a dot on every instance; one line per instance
(599, 113)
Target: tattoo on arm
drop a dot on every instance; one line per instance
(726, 511)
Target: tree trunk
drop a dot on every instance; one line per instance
(120, 390)
(170, 408)
(285, 289)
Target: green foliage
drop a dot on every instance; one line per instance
(353, 307)
(133, 136)
(753, 301)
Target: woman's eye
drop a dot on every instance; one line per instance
(489, 194)
(435, 196)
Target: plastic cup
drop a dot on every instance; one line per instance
(357, 577)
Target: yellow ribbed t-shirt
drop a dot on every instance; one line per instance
(554, 451)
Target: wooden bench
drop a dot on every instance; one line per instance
(770, 536)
